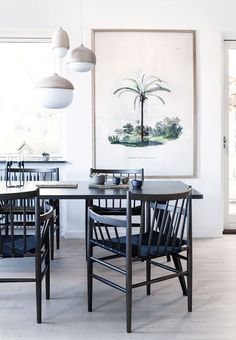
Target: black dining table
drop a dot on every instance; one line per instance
(82, 190)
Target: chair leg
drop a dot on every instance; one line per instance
(88, 202)
(178, 266)
(129, 297)
(51, 232)
(38, 291)
(189, 280)
(168, 259)
(58, 227)
(47, 263)
(148, 276)
(58, 236)
(47, 283)
(90, 279)
(90, 286)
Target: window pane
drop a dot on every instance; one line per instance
(23, 120)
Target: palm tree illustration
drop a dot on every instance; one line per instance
(143, 88)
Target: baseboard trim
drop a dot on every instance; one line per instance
(229, 231)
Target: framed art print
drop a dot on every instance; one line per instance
(144, 101)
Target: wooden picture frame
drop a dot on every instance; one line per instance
(157, 132)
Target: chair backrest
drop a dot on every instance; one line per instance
(32, 174)
(15, 242)
(110, 173)
(166, 222)
(165, 225)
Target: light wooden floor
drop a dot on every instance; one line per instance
(163, 315)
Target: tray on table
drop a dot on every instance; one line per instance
(68, 185)
(108, 186)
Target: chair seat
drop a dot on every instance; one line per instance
(154, 251)
(18, 251)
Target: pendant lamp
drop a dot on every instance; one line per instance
(82, 59)
(60, 43)
(55, 92)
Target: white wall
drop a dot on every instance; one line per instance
(212, 19)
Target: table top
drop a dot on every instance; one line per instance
(84, 192)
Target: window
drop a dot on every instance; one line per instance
(23, 120)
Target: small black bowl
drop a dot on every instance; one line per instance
(116, 180)
(136, 183)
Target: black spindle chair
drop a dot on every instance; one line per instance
(116, 206)
(165, 229)
(39, 174)
(19, 243)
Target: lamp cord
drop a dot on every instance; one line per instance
(53, 14)
(81, 22)
(55, 62)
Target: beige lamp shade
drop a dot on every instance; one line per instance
(82, 59)
(54, 92)
(60, 43)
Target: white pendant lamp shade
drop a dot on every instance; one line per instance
(54, 92)
(60, 43)
(82, 59)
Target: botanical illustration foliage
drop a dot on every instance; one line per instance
(144, 88)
